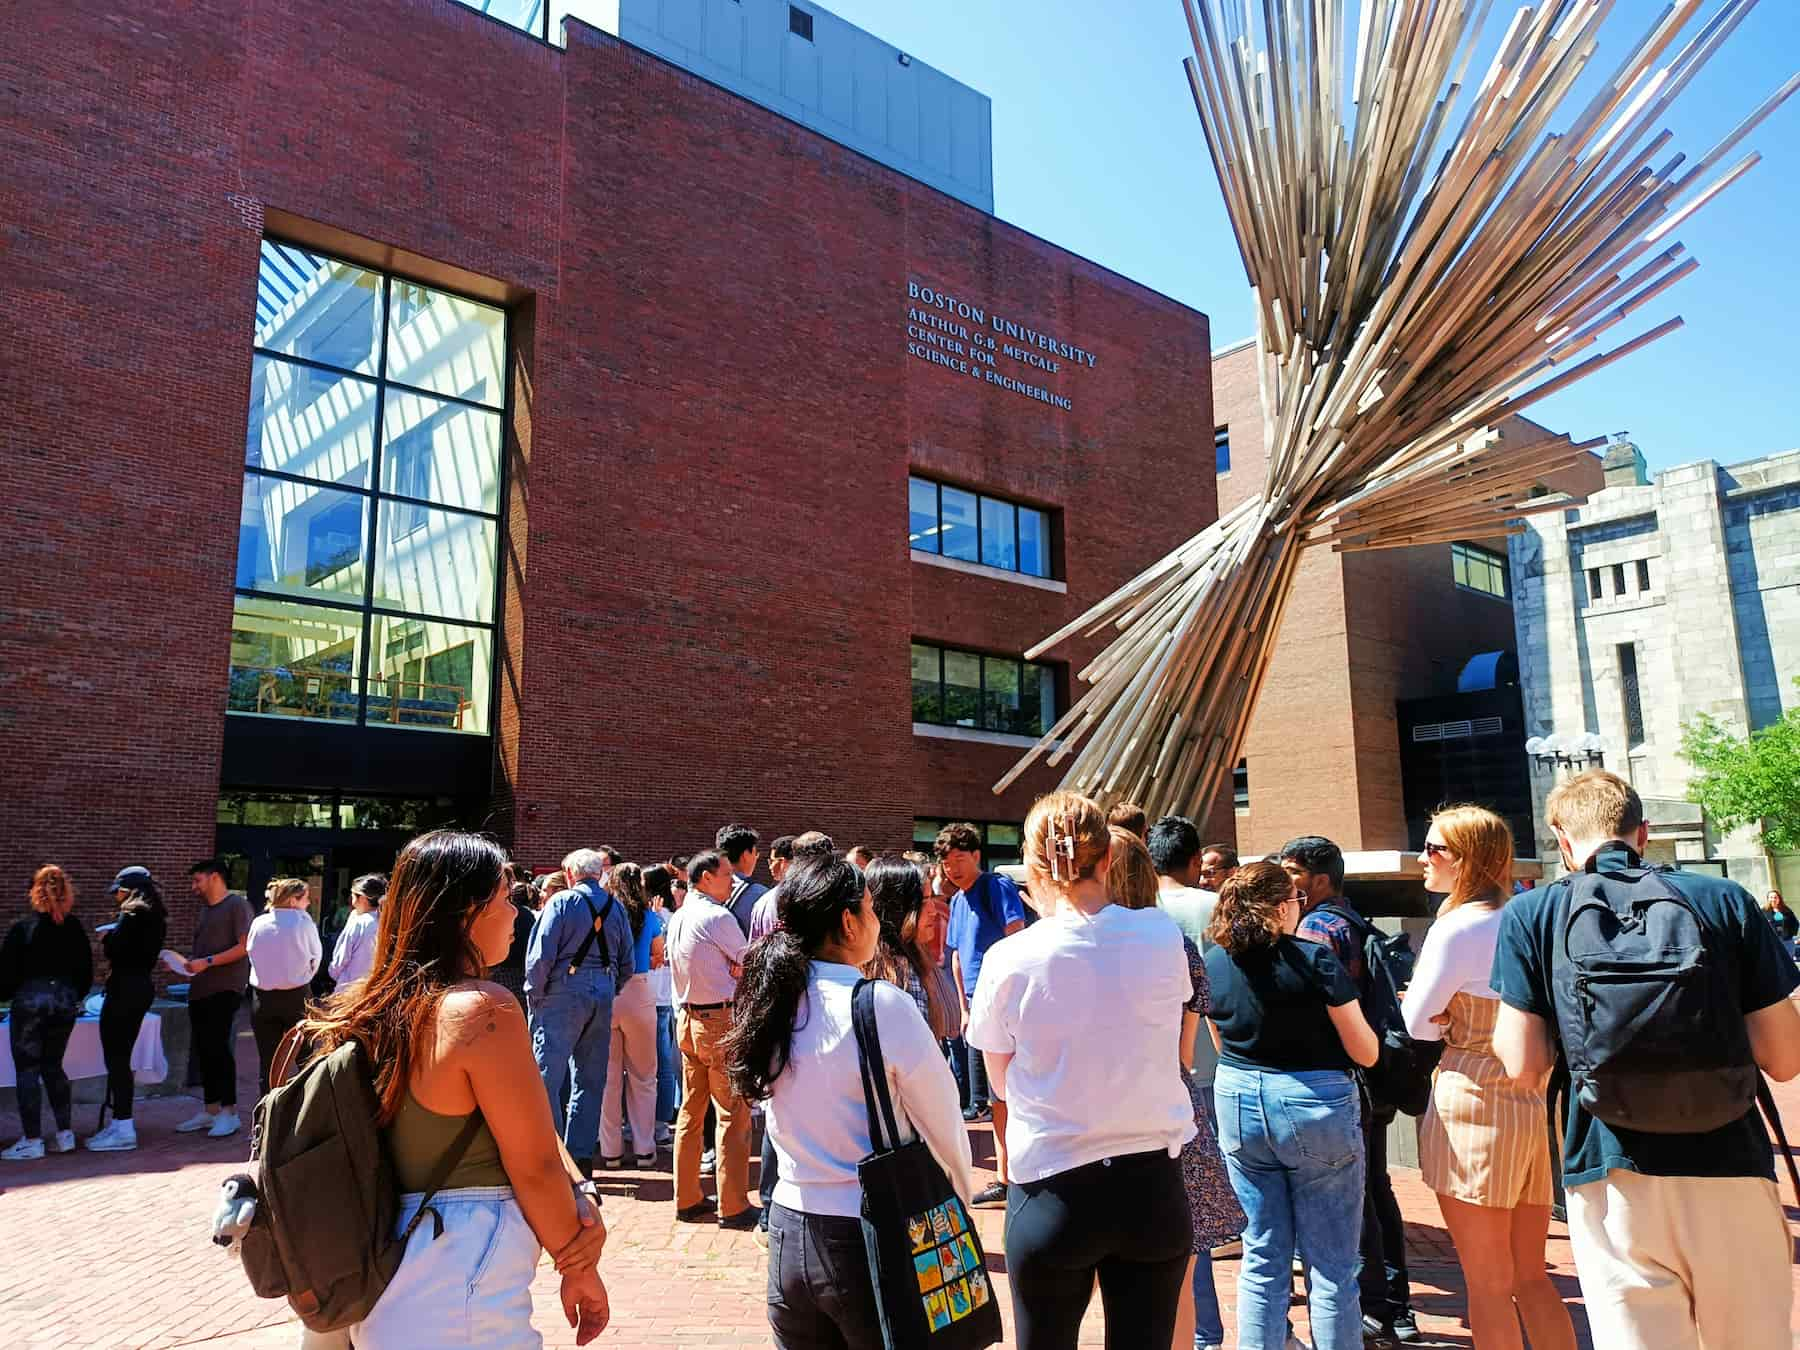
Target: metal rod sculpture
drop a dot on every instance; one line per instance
(1404, 308)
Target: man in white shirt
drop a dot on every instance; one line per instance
(706, 949)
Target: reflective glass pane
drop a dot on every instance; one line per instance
(425, 674)
(440, 451)
(998, 545)
(315, 423)
(1005, 844)
(921, 518)
(317, 308)
(1001, 709)
(1034, 542)
(1037, 700)
(291, 660)
(961, 539)
(962, 689)
(925, 831)
(602, 14)
(447, 344)
(927, 689)
(524, 14)
(437, 562)
(301, 538)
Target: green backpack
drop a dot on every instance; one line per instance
(327, 1198)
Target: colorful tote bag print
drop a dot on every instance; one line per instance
(925, 1258)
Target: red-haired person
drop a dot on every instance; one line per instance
(46, 967)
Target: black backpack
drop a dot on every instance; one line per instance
(1645, 1008)
(1401, 1078)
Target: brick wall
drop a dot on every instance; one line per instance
(707, 595)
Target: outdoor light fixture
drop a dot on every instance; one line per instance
(1553, 751)
(905, 60)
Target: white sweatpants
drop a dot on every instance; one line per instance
(634, 1051)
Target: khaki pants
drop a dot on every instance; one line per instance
(1683, 1263)
(703, 1078)
(631, 1074)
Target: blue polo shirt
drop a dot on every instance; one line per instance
(1756, 966)
(978, 919)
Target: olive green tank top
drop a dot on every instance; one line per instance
(419, 1138)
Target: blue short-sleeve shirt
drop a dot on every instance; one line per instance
(978, 919)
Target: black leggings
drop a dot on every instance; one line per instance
(272, 1013)
(1124, 1221)
(43, 1018)
(214, 1020)
(128, 998)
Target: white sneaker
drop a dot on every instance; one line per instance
(24, 1151)
(118, 1137)
(224, 1124)
(195, 1123)
(665, 1137)
(708, 1163)
(64, 1142)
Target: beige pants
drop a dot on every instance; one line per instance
(1683, 1263)
(631, 1073)
(703, 1078)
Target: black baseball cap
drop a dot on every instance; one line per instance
(131, 879)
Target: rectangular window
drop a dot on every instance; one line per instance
(376, 408)
(1221, 449)
(1643, 571)
(1618, 572)
(1240, 786)
(984, 693)
(1593, 575)
(800, 23)
(1001, 844)
(974, 527)
(1474, 568)
(1630, 693)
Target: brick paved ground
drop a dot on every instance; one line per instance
(109, 1251)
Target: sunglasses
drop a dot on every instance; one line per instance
(1432, 850)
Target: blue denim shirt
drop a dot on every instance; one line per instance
(562, 924)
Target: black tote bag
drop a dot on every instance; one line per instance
(925, 1258)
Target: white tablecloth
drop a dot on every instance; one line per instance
(84, 1059)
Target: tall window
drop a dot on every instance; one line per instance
(1000, 843)
(985, 693)
(1240, 785)
(1631, 694)
(1221, 449)
(974, 527)
(1478, 569)
(369, 535)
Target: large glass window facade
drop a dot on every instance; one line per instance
(974, 527)
(1001, 844)
(987, 693)
(369, 534)
(1478, 569)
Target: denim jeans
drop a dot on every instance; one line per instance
(1209, 1323)
(819, 1293)
(571, 1039)
(668, 1067)
(470, 1287)
(1293, 1146)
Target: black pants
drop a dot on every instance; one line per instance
(272, 1013)
(820, 1297)
(1124, 1221)
(128, 998)
(214, 1020)
(42, 1019)
(767, 1175)
(1381, 1280)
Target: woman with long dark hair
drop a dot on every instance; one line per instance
(631, 1066)
(444, 1043)
(132, 943)
(898, 890)
(792, 1045)
(46, 967)
(1291, 1033)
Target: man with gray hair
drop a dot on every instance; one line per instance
(579, 959)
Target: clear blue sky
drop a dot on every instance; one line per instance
(1097, 148)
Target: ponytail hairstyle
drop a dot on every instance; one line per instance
(1065, 838)
(628, 884)
(1130, 875)
(1249, 914)
(282, 892)
(816, 893)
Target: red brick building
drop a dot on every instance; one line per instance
(409, 419)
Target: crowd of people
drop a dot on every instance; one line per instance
(1175, 1050)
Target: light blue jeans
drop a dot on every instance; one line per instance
(1294, 1149)
(571, 1039)
(668, 1067)
(469, 1286)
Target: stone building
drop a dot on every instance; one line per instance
(1655, 601)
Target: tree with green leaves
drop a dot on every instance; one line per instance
(1743, 780)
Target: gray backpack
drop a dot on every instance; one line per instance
(323, 1233)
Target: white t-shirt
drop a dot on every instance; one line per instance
(1457, 958)
(1089, 1007)
(817, 1115)
(284, 949)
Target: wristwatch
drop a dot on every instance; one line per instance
(590, 1190)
